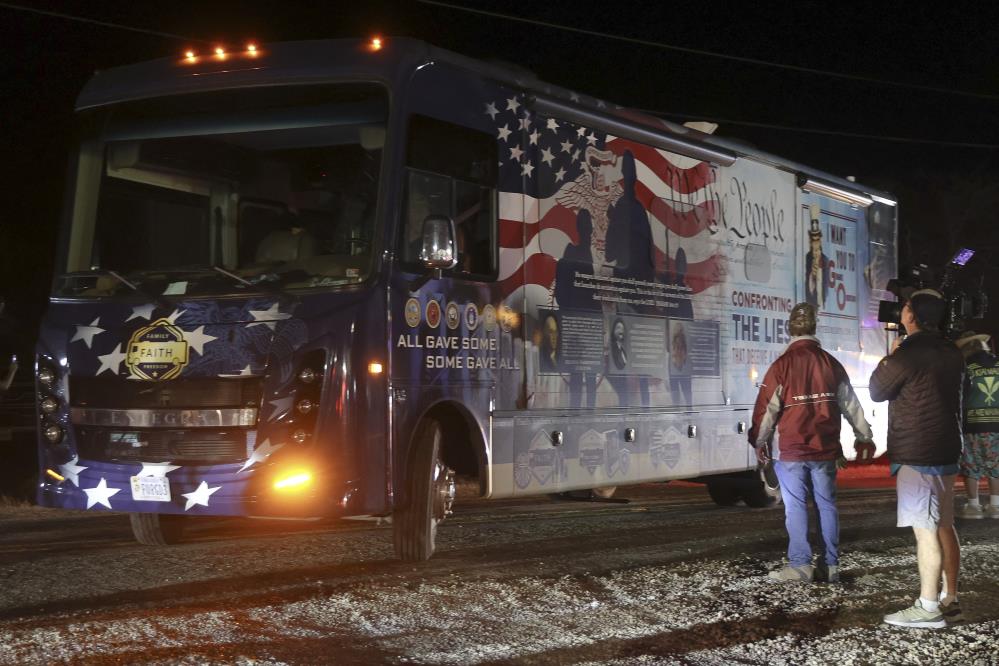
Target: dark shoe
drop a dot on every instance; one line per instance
(952, 613)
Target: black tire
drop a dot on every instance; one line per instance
(723, 492)
(154, 529)
(427, 486)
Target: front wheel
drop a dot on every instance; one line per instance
(429, 491)
(154, 529)
(723, 492)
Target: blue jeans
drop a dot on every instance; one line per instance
(798, 481)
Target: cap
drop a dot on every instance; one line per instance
(972, 339)
(927, 307)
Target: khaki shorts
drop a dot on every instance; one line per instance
(924, 500)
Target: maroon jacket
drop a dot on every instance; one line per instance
(804, 395)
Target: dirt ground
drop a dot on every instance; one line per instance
(667, 578)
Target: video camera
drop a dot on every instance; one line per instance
(962, 303)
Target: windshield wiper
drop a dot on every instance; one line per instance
(155, 298)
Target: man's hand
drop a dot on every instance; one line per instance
(841, 462)
(763, 454)
(865, 451)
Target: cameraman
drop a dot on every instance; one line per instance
(922, 378)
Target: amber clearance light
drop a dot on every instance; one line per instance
(375, 44)
(294, 481)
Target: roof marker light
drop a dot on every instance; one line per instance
(219, 51)
(189, 55)
(376, 43)
(251, 47)
(375, 368)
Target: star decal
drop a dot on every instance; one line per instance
(559, 175)
(100, 494)
(260, 454)
(111, 362)
(197, 339)
(491, 111)
(567, 146)
(526, 169)
(591, 138)
(72, 471)
(533, 136)
(142, 312)
(515, 153)
(553, 124)
(581, 131)
(281, 407)
(199, 496)
(157, 469)
(525, 123)
(504, 132)
(574, 97)
(547, 156)
(512, 104)
(175, 315)
(87, 333)
(268, 317)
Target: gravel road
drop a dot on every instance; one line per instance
(668, 578)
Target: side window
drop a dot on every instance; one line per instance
(451, 170)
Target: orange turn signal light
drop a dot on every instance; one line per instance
(294, 481)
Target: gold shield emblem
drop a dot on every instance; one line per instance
(157, 351)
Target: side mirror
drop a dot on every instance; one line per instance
(6, 380)
(438, 251)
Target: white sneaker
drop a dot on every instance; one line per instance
(991, 511)
(917, 616)
(971, 511)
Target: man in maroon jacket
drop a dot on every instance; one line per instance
(804, 396)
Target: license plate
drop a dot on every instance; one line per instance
(151, 488)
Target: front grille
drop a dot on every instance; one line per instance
(202, 392)
(205, 446)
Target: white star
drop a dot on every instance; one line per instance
(268, 317)
(526, 168)
(87, 333)
(175, 315)
(581, 131)
(525, 123)
(142, 312)
(591, 139)
(72, 471)
(199, 496)
(560, 174)
(573, 97)
(157, 469)
(100, 494)
(575, 155)
(515, 153)
(198, 339)
(547, 156)
(504, 132)
(512, 104)
(112, 360)
(534, 137)
(281, 407)
(567, 147)
(260, 454)
(491, 110)
(552, 125)
(245, 371)
(601, 104)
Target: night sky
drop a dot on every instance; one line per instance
(948, 192)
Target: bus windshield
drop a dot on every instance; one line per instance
(201, 194)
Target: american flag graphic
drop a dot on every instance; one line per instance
(551, 169)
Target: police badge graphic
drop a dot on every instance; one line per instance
(157, 352)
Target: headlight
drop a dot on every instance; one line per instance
(46, 376)
(49, 405)
(305, 406)
(53, 433)
(299, 436)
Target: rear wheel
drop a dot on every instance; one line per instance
(154, 529)
(723, 492)
(428, 496)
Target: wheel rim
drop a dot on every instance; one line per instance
(444, 491)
